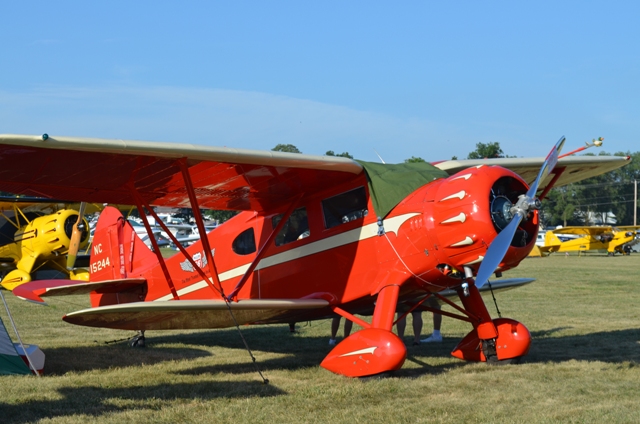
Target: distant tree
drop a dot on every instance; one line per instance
(414, 159)
(486, 151)
(342, 155)
(454, 157)
(289, 148)
(579, 203)
(624, 179)
(559, 207)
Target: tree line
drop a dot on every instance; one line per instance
(590, 201)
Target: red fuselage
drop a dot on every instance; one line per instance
(428, 238)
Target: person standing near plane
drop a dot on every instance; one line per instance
(435, 337)
(335, 325)
(417, 326)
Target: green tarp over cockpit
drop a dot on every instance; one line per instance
(390, 183)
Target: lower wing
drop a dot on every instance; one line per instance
(496, 285)
(191, 314)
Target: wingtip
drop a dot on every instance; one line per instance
(30, 292)
(37, 302)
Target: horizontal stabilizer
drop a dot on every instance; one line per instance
(109, 286)
(190, 314)
(33, 290)
(496, 285)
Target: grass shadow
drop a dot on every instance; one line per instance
(97, 401)
(86, 358)
(616, 346)
(304, 351)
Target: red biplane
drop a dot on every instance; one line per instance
(318, 236)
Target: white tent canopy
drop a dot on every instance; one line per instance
(10, 361)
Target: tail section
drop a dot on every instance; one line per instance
(551, 241)
(116, 251)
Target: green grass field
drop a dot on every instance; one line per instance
(583, 313)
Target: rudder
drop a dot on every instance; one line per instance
(116, 251)
(552, 240)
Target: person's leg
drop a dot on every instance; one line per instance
(417, 326)
(335, 324)
(437, 322)
(348, 324)
(400, 326)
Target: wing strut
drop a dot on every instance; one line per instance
(179, 246)
(200, 223)
(263, 248)
(154, 243)
(557, 173)
(351, 317)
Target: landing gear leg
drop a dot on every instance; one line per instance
(373, 350)
(138, 340)
(497, 341)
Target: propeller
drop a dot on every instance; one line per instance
(525, 204)
(76, 236)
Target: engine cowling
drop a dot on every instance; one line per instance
(461, 216)
(45, 238)
(51, 234)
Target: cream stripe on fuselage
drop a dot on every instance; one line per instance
(391, 225)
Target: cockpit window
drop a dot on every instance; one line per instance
(244, 243)
(345, 207)
(296, 227)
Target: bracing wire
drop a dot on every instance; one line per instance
(246, 345)
(495, 302)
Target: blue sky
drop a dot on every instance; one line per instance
(428, 79)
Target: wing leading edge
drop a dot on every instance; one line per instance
(110, 171)
(571, 169)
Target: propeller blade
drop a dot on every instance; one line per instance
(501, 243)
(76, 235)
(548, 165)
(497, 250)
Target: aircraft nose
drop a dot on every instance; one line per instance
(471, 208)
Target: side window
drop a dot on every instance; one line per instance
(296, 227)
(244, 243)
(345, 207)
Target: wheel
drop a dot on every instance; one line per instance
(511, 361)
(138, 340)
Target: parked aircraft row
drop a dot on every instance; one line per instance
(613, 240)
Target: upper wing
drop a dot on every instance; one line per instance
(583, 230)
(628, 228)
(99, 170)
(571, 168)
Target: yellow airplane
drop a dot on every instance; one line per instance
(37, 234)
(571, 239)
